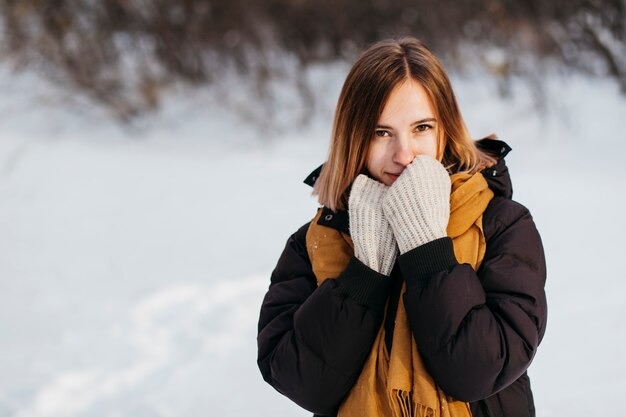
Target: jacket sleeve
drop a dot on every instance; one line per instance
(313, 341)
(478, 332)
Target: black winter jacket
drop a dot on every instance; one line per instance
(477, 332)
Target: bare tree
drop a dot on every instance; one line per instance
(121, 53)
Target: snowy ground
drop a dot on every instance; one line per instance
(132, 265)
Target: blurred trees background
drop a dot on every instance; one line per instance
(123, 53)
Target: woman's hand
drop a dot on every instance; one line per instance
(417, 205)
(374, 244)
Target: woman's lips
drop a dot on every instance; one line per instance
(393, 176)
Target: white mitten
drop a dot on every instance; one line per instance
(417, 205)
(374, 244)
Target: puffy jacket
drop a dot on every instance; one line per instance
(477, 332)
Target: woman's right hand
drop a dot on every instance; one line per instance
(374, 243)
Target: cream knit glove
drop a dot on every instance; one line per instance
(374, 244)
(417, 205)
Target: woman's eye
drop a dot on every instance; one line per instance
(382, 133)
(423, 128)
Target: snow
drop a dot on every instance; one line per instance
(133, 262)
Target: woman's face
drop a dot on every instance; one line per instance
(407, 128)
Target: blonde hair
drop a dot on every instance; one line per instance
(369, 83)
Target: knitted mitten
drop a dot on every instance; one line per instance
(374, 244)
(417, 205)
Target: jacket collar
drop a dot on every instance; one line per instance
(497, 177)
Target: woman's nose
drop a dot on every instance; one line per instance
(403, 153)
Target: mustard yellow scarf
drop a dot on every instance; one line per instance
(398, 384)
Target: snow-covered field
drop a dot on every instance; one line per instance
(133, 264)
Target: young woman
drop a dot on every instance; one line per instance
(418, 288)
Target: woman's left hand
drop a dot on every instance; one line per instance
(417, 205)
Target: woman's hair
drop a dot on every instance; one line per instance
(374, 75)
